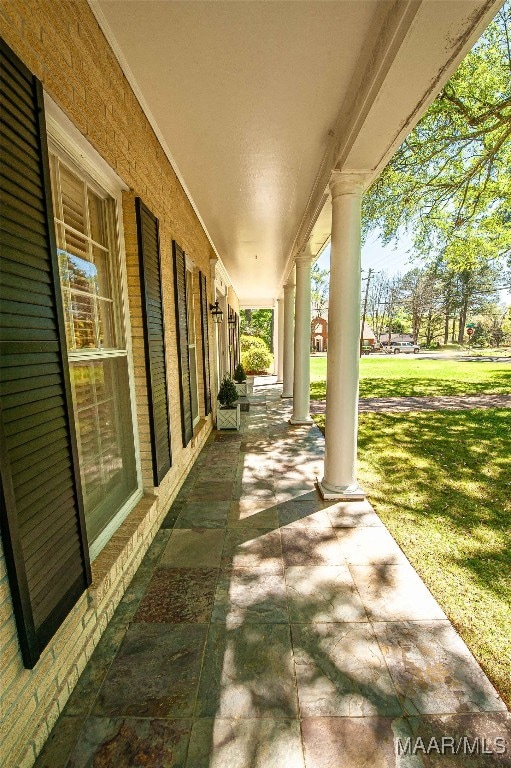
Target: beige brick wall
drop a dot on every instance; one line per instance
(61, 42)
(233, 300)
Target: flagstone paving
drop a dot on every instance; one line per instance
(268, 629)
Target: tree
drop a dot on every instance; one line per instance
(258, 322)
(423, 300)
(393, 300)
(506, 326)
(453, 172)
(320, 285)
(376, 303)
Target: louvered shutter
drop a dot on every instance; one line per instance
(43, 526)
(154, 336)
(182, 342)
(204, 309)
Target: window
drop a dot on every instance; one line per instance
(192, 346)
(85, 224)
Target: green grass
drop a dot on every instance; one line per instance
(409, 376)
(441, 482)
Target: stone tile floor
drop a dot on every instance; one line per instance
(266, 628)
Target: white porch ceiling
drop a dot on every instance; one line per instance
(256, 102)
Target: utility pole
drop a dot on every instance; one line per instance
(365, 310)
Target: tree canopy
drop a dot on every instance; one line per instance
(449, 184)
(320, 282)
(258, 322)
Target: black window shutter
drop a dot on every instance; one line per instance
(154, 337)
(204, 308)
(182, 342)
(41, 509)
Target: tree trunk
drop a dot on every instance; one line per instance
(446, 326)
(463, 320)
(453, 333)
(429, 333)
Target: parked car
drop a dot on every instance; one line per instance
(406, 347)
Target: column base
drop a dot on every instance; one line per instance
(307, 421)
(286, 397)
(346, 493)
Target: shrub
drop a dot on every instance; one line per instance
(256, 360)
(227, 394)
(239, 374)
(251, 342)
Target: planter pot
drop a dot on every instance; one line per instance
(228, 418)
(241, 388)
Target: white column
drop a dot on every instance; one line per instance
(289, 324)
(280, 340)
(340, 480)
(301, 385)
(275, 339)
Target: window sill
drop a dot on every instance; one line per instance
(117, 562)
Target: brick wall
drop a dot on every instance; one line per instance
(61, 42)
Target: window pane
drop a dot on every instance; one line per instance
(76, 245)
(82, 274)
(83, 318)
(68, 318)
(73, 200)
(102, 267)
(97, 218)
(192, 353)
(105, 438)
(106, 335)
(190, 306)
(193, 383)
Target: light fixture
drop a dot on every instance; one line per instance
(216, 313)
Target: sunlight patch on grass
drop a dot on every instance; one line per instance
(413, 377)
(441, 482)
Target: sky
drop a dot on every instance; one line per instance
(392, 259)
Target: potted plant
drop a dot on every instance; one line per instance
(228, 414)
(240, 380)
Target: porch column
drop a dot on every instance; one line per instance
(301, 385)
(289, 323)
(280, 340)
(340, 479)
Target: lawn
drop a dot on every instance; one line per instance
(410, 376)
(441, 482)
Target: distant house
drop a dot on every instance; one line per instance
(368, 337)
(319, 333)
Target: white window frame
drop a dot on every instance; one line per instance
(65, 141)
(190, 271)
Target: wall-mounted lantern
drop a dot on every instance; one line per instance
(216, 313)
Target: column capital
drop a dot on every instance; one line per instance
(348, 183)
(303, 260)
(289, 286)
